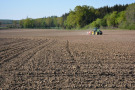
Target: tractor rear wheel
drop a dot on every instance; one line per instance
(101, 33)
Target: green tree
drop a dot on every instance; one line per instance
(130, 16)
(43, 23)
(71, 20)
(28, 23)
(15, 23)
(48, 22)
(111, 20)
(84, 15)
(121, 17)
(55, 22)
(60, 21)
(21, 23)
(38, 23)
(81, 16)
(104, 20)
(96, 23)
(130, 13)
(64, 20)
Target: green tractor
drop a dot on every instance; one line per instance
(95, 31)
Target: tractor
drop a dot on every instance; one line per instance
(95, 31)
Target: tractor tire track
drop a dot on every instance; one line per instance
(73, 60)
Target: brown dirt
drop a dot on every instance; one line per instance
(59, 59)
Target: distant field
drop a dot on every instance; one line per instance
(60, 59)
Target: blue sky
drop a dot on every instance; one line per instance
(20, 9)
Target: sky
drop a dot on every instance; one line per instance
(21, 9)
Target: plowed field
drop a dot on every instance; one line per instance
(59, 59)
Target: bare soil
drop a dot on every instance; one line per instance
(60, 59)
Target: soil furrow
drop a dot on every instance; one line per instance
(7, 41)
(14, 45)
(34, 52)
(17, 54)
(19, 47)
(15, 41)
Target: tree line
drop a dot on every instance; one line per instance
(122, 16)
(124, 19)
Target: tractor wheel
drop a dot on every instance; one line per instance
(101, 32)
